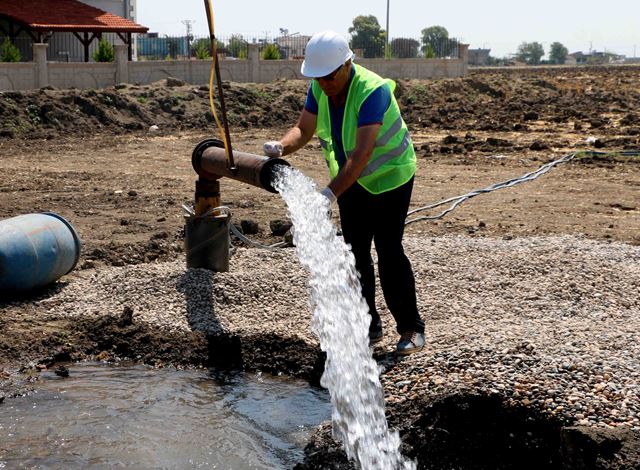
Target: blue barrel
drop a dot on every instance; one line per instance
(35, 250)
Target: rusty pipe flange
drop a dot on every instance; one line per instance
(196, 157)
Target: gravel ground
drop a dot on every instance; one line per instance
(552, 323)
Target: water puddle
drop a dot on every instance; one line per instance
(341, 321)
(136, 417)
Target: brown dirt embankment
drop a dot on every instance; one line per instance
(552, 101)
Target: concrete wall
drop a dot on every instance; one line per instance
(40, 73)
(20, 76)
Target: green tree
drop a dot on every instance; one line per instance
(202, 49)
(367, 36)
(404, 48)
(530, 53)
(104, 53)
(237, 46)
(558, 53)
(271, 52)
(9, 52)
(436, 39)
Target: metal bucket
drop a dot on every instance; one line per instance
(207, 240)
(36, 250)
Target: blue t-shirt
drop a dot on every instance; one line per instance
(371, 112)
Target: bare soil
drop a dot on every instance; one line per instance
(90, 156)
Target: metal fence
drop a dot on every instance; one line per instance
(65, 47)
(235, 46)
(285, 47)
(23, 44)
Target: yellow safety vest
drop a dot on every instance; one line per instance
(393, 161)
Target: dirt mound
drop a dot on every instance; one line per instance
(555, 100)
(49, 113)
(602, 100)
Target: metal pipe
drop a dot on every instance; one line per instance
(210, 163)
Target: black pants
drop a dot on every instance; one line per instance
(380, 218)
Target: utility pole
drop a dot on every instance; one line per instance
(387, 50)
(188, 24)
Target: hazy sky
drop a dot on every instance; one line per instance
(612, 25)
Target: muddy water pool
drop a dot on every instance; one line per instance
(135, 417)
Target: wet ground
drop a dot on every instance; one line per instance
(123, 190)
(95, 415)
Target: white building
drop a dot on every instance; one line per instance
(125, 8)
(65, 47)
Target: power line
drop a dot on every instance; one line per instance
(189, 25)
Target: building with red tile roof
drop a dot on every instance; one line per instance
(40, 19)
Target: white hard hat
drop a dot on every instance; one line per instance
(325, 52)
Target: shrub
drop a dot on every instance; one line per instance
(9, 52)
(104, 53)
(202, 50)
(429, 52)
(271, 52)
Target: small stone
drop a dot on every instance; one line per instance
(279, 227)
(249, 227)
(126, 318)
(173, 82)
(61, 371)
(538, 145)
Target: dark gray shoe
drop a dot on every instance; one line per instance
(410, 342)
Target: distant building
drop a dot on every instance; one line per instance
(594, 58)
(124, 8)
(292, 46)
(65, 47)
(71, 28)
(570, 60)
(479, 56)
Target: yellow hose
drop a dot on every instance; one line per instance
(212, 79)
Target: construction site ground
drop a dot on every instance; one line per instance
(92, 157)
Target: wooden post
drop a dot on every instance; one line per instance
(85, 43)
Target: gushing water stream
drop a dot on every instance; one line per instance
(341, 321)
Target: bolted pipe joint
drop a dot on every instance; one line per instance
(209, 160)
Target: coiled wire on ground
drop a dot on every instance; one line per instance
(457, 200)
(238, 234)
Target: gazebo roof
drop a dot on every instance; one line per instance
(66, 15)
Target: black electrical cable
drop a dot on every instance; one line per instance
(457, 200)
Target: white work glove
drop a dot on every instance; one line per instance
(330, 199)
(273, 149)
(326, 192)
